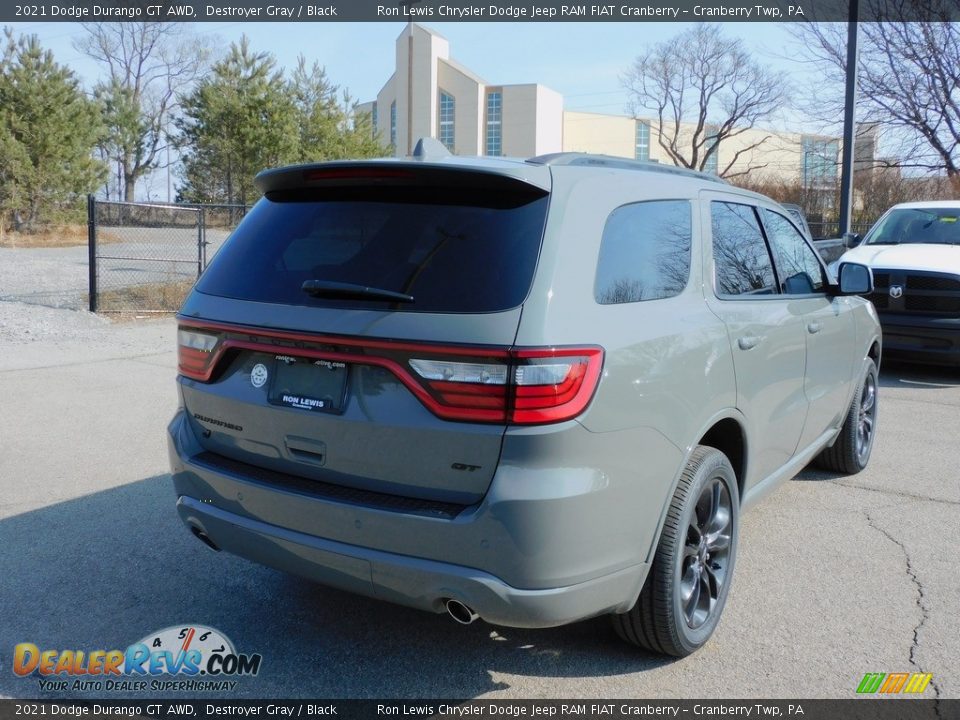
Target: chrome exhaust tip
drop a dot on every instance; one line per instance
(204, 538)
(461, 613)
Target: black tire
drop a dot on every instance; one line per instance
(850, 453)
(666, 617)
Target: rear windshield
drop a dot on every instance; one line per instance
(453, 250)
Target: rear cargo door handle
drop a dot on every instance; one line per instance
(748, 342)
(306, 450)
(814, 327)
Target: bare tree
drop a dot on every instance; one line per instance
(147, 64)
(704, 89)
(908, 79)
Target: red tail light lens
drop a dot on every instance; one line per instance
(528, 387)
(554, 385)
(195, 353)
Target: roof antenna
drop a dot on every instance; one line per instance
(429, 148)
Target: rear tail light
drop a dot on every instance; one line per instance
(527, 387)
(523, 386)
(195, 353)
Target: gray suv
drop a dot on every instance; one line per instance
(530, 392)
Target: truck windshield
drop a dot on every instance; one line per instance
(940, 226)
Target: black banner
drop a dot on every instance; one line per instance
(473, 10)
(853, 709)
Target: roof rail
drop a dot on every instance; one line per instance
(619, 163)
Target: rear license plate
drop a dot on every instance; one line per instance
(315, 385)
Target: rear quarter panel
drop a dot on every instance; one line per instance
(667, 372)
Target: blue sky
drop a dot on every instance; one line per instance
(580, 60)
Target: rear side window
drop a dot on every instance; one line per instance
(453, 250)
(644, 253)
(740, 257)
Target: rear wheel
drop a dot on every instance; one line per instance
(851, 451)
(685, 592)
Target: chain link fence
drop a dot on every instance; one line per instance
(144, 258)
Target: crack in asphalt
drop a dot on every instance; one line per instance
(921, 601)
(882, 491)
(79, 363)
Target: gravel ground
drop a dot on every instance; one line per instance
(24, 323)
(59, 277)
(34, 336)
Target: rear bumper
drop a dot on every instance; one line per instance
(918, 338)
(544, 548)
(414, 582)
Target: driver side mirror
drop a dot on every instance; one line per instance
(851, 240)
(855, 279)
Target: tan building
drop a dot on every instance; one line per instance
(430, 94)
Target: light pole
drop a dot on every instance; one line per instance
(850, 98)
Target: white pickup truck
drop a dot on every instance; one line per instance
(914, 252)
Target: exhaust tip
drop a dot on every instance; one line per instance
(461, 613)
(204, 538)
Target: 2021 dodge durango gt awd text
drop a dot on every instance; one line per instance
(531, 392)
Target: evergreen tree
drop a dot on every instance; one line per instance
(330, 129)
(246, 117)
(48, 131)
(238, 121)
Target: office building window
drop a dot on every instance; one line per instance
(447, 108)
(393, 123)
(712, 163)
(642, 150)
(494, 123)
(819, 162)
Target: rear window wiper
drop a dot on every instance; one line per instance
(350, 291)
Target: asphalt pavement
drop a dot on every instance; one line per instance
(836, 577)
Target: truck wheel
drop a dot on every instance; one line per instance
(850, 452)
(687, 587)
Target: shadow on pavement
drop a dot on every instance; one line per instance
(102, 571)
(900, 374)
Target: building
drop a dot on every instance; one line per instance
(430, 94)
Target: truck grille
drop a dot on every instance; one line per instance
(921, 293)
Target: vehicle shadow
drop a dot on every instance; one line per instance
(895, 373)
(101, 572)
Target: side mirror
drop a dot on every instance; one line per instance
(851, 240)
(855, 279)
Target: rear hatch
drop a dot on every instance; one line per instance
(356, 328)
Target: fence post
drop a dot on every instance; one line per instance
(92, 251)
(199, 242)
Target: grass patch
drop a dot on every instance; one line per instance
(57, 236)
(149, 297)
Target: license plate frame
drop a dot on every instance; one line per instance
(310, 384)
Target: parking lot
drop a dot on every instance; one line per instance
(836, 577)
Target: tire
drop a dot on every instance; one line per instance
(696, 556)
(850, 453)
